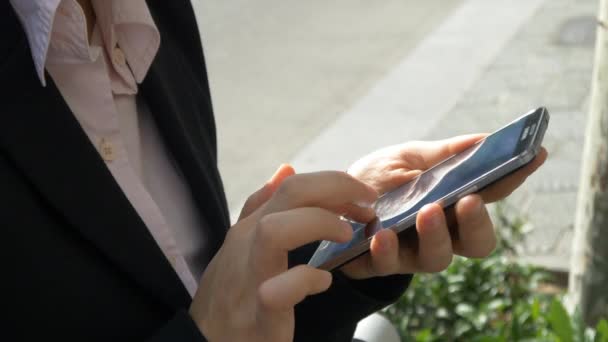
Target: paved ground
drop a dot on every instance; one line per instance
(283, 70)
(548, 62)
(321, 83)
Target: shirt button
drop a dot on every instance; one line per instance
(118, 57)
(106, 149)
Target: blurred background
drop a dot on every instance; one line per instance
(319, 84)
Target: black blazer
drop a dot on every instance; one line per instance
(76, 261)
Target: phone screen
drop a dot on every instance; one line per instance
(449, 175)
(437, 182)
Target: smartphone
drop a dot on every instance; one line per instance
(469, 171)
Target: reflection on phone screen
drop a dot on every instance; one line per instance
(400, 201)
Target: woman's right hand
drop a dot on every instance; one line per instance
(247, 292)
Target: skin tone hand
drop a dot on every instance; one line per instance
(247, 292)
(473, 234)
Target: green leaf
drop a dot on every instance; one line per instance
(578, 326)
(489, 339)
(464, 310)
(535, 308)
(515, 327)
(424, 336)
(560, 321)
(442, 313)
(487, 300)
(456, 278)
(461, 328)
(497, 304)
(602, 331)
(523, 319)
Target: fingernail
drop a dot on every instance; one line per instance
(383, 244)
(479, 205)
(276, 173)
(434, 220)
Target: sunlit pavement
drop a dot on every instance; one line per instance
(319, 84)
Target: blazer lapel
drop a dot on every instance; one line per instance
(44, 140)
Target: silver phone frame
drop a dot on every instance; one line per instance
(526, 156)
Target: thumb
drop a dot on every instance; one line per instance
(258, 198)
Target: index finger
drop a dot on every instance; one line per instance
(327, 189)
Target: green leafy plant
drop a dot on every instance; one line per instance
(489, 300)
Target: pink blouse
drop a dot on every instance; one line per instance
(98, 78)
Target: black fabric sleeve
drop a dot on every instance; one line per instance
(334, 314)
(180, 328)
(330, 316)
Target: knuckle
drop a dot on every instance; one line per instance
(439, 264)
(315, 280)
(264, 232)
(444, 262)
(440, 244)
(484, 250)
(417, 159)
(343, 177)
(382, 269)
(289, 186)
(264, 300)
(251, 199)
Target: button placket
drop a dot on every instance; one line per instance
(107, 150)
(100, 120)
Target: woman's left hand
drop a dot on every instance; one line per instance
(393, 166)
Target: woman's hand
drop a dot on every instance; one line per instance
(390, 167)
(247, 293)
